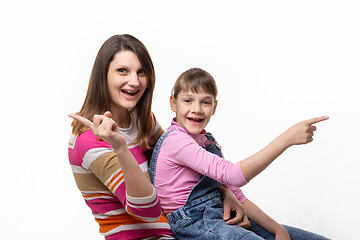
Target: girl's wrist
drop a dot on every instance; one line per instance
(284, 140)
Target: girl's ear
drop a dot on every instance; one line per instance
(214, 109)
(173, 104)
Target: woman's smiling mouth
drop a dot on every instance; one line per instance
(131, 93)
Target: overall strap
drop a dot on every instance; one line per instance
(154, 156)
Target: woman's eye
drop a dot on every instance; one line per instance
(121, 70)
(141, 72)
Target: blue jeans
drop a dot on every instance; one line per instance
(202, 215)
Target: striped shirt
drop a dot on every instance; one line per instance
(99, 177)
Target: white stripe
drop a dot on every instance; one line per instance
(142, 200)
(165, 237)
(94, 192)
(94, 154)
(144, 166)
(110, 213)
(98, 197)
(111, 177)
(79, 169)
(146, 206)
(118, 185)
(72, 140)
(137, 226)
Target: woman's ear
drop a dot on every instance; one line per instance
(173, 104)
(214, 108)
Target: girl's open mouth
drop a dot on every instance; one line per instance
(198, 120)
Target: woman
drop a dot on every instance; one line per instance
(108, 152)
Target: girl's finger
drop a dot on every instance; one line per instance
(316, 120)
(311, 129)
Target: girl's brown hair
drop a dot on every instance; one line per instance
(195, 80)
(97, 99)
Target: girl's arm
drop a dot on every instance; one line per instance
(232, 204)
(300, 133)
(265, 221)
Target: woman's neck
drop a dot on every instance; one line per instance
(121, 117)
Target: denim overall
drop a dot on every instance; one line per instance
(202, 215)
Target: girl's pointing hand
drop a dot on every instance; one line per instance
(302, 132)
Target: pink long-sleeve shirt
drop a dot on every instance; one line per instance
(182, 161)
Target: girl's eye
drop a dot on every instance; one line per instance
(141, 72)
(187, 100)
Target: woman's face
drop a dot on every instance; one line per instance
(127, 80)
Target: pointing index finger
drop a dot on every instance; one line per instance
(317, 119)
(85, 121)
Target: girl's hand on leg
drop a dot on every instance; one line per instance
(231, 204)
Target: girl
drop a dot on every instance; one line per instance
(186, 160)
(107, 152)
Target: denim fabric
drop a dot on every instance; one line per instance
(295, 233)
(202, 215)
(154, 156)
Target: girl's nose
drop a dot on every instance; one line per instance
(196, 108)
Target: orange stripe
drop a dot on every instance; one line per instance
(112, 222)
(112, 179)
(112, 188)
(98, 195)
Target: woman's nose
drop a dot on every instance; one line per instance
(134, 80)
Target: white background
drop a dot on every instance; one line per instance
(275, 62)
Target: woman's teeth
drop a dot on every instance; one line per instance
(129, 92)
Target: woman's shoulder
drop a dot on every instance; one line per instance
(87, 140)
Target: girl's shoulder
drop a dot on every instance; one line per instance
(178, 137)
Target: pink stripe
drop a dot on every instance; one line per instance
(103, 206)
(72, 158)
(138, 153)
(86, 141)
(152, 212)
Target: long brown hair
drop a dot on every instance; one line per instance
(97, 99)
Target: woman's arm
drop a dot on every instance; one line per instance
(136, 182)
(300, 133)
(265, 221)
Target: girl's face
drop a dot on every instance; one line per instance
(127, 81)
(193, 110)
